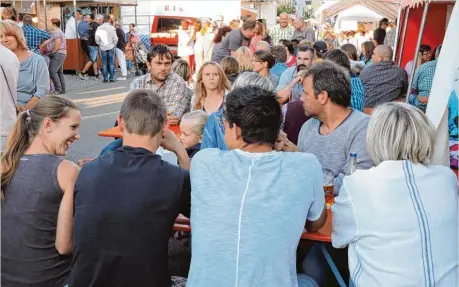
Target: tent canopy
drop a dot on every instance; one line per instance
(386, 8)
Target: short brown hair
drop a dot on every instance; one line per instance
(143, 112)
(230, 65)
(279, 53)
(249, 25)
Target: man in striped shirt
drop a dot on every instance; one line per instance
(282, 31)
(383, 81)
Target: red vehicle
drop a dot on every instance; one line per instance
(164, 30)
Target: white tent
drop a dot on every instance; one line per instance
(385, 8)
(348, 19)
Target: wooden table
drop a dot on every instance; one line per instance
(116, 133)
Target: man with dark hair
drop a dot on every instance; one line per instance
(383, 81)
(235, 39)
(321, 48)
(425, 54)
(280, 55)
(246, 210)
(289, 87)
(93, 49)
(169, 86)
(126, 202)
(107, 39)
(339, 57)
(422, 82)
(380, 33)
(34, 36)
(335, 130)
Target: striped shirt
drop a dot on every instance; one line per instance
(278, 33)
(400, 222)
(383, 82)
(423, 78)
(357, 93)
(34, 37)
(173, 91)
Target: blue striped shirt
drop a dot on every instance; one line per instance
(423, 78)
(34, 37)
(357, 93)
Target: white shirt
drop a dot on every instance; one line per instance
(70, 28)
(9, 74)
(400, 221)
(185, 45)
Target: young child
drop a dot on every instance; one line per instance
(191, 127)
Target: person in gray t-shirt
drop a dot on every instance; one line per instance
(234, 40)
(303, 32)
(335, 130)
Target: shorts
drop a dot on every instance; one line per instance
(93, 53)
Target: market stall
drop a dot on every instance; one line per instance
(76, 58)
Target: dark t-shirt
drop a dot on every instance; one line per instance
(379, 35)
(233, 41)
(121, 39)
(92, 34)
(126, 203)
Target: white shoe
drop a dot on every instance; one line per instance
(121, 79)
(83, 77)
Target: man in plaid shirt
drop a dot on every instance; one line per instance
(169, 86)
(33, 35)
(282, 31)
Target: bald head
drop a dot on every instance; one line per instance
(262, 45)
(382, 53)
(298, 23)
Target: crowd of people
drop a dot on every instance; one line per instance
(259, 139)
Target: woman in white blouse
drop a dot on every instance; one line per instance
(399, 218)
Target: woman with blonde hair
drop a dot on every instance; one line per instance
(405, 205)
(37, 195)
(231, 68)
(182, 68)
(244, 58)
(211, 86)
(33, 81)
(202, 44)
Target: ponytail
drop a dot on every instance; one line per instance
(24, 131)
(18, 142)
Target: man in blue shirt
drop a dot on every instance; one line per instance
(290, 87)
(33, 35)
(126, 202)
(83, 32)
(252, 200)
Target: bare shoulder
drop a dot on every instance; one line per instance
(67, 173)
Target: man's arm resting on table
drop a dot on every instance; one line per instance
(313, 226)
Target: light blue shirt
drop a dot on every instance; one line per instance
(33, 79)
(248, 211)
(287, 77)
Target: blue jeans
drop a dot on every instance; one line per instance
(93, 53)
(108, 64)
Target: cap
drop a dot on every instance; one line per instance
(320, 46)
